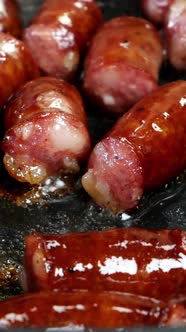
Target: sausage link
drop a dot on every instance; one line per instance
(144, 262)
(46, 131)
(60, 33)
(155, 10)
(175, 33)
(10, 20)
(123, 63)
(16, 66)
(143, 151)
(78, 310)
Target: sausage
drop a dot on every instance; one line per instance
(41, 95)
(123, 63)
(16, 66)
(77, 310)
(60, 33)
(175, 33)
(144, 149)
(46, 131)
(10, 20)
(172, 14)
(132, 260)
(155, 10)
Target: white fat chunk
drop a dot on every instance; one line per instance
(65, 137)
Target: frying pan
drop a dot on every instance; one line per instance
(71, 210)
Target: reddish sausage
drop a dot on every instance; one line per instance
(123, 63)
(9, 17)
(60, 33)
(144, 150)
(16, 66)
(46, 131)
(77, 310)
(175, 33)
(155, 10)
(132, 260)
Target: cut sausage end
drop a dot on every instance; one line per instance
(53, 49)
(119, 86)
(114, 178)
(45, 145)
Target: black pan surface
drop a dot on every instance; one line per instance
(74, 211)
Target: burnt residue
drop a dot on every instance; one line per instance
(9, 279)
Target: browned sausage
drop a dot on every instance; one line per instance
(150, 263)
(10, 20)
(144, 150)
(78, 310)
(16, 66)
(46, 131)
(123, 63)
(59, 34)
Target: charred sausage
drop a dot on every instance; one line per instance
(16, 66)
(155, 10)
(78, 310)
(60, 33)
(132, 260)
(123, 63)
(175, 33)
(144, 150)
(10, 20)
(46, 131)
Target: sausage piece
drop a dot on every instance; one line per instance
(123, 63)
(10, 20)
(16, 66)
(142, 151)
(155, 10)
(46, 131)
(131, 260)
(77, 310)
(175, 33)
(60, 33)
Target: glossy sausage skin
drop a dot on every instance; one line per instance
(10, 20)
(16, 66)
(175, 34)
(155, 10)
(77, 310)
(142, 151)
(46, 131)
(60, 33)
(123, 63)
(132, 260)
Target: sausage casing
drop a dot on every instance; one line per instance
(142, 151)
(77, 310)
(46, 131)
(61, 32)
(123, 63)
(145, 262)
